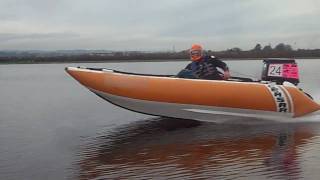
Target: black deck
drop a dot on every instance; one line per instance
(232, 78)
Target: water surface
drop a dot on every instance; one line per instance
(53, 128)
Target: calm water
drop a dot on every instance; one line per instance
(53, 128)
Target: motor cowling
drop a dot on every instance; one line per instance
(280, 70)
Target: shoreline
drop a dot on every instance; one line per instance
(143, 60)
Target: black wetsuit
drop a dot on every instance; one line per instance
(206, 68)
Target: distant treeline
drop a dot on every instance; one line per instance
(100, 57)
(280, 51)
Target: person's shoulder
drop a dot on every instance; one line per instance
(189, 66)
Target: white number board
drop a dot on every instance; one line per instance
(275, 70)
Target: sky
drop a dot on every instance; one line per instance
(157, 25)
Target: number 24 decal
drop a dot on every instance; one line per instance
(275, 70)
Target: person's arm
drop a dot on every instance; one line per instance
(224, 66)
(188, 67)
(186, 72)
(226, 75)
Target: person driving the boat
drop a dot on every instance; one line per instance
(204, 67)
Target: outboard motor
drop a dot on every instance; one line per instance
(279, 70)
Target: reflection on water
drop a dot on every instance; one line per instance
(184, 148)
(53, 128)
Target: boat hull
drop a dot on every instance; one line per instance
(194, 99)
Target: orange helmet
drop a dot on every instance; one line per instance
(196, 52)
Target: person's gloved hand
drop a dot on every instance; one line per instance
(226, 75)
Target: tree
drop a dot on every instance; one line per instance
(280, 47)
(235, 49)
(267, 48)
(283, 47)
(257, 47)
(288, 47)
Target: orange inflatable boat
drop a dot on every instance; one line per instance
(169, 96)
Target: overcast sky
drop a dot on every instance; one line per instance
(157, 25)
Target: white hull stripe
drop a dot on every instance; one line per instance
(186, 111)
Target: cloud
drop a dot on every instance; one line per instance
(150, 24)
(35, 36)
